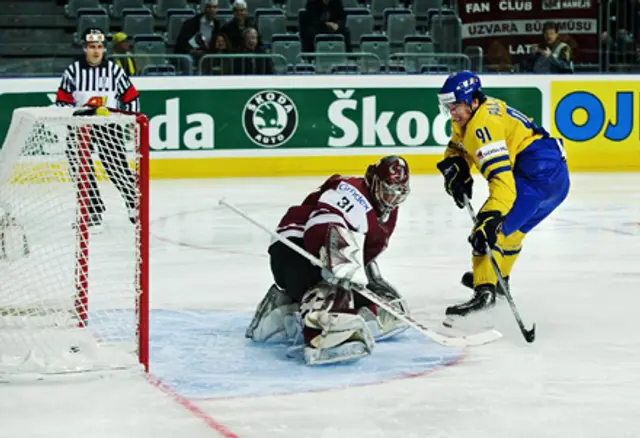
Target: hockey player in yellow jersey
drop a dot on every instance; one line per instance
(525, 169)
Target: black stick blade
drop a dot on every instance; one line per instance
(530, 335)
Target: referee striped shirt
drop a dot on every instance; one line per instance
(105, 84)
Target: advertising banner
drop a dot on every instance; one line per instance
(508, 29)
(308, 119)
(599, 121)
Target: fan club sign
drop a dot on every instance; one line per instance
(508, 30)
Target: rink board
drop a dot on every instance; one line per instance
(314, 125)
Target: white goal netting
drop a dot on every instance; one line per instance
(72, 247)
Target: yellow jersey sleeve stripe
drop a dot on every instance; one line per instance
(498, 170)
(494, 160)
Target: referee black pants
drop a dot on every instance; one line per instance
(108, 142)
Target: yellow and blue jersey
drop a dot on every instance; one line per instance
(492, 139)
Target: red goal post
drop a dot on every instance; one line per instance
(74, 294)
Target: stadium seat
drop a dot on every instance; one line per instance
(329, 43)
(175, 24)
(446, 31)
(287, 45)
(149, 44)
(119, 5)
(162, 6)
(415, 46)
(379, 46)
(71, 10)
(138, 24)
(421, 7)
(378, 7)
(90, 18)
(292, 8)
(254, 5)
(271, 23)
(400, 24)
(359, 22)
(434, 12)
(476, 57)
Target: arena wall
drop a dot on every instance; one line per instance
(203, 127)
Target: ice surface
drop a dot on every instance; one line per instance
(578, 277)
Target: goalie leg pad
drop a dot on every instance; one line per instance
(382, 324)
(271, 322)
(333, 331)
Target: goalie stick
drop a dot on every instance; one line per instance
(529, 335)
(449, 341)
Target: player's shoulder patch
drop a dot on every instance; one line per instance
(356, 189)
(492, 150)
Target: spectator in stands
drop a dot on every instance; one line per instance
(121, 46)
(197, 32)
(323, 16)
(250, 65)
(552, 55)
(219, 66)
(619, 32)
(235, 28)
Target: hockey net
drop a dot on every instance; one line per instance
(73, 283)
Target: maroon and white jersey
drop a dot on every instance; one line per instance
(341, 201)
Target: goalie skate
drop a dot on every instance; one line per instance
(347, 352)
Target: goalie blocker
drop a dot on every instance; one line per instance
(347, 222)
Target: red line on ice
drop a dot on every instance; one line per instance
(191, 407)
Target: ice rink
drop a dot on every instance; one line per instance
(578, 278)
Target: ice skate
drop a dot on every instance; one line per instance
(467, 281)
(471, 313)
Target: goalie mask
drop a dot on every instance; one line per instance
(388, 182)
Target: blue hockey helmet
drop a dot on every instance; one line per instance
(461, 87)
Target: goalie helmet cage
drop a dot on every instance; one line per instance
(74, 298)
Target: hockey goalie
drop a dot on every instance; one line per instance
(347, 223)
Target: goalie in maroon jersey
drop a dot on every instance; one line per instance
(347, 223)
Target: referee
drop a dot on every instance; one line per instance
(93, 82)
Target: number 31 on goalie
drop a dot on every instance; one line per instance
(345, 204)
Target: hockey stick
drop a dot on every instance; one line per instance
(529, 335)
(460, 342)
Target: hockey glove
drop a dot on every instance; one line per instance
(488, 225)
(457, 178)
